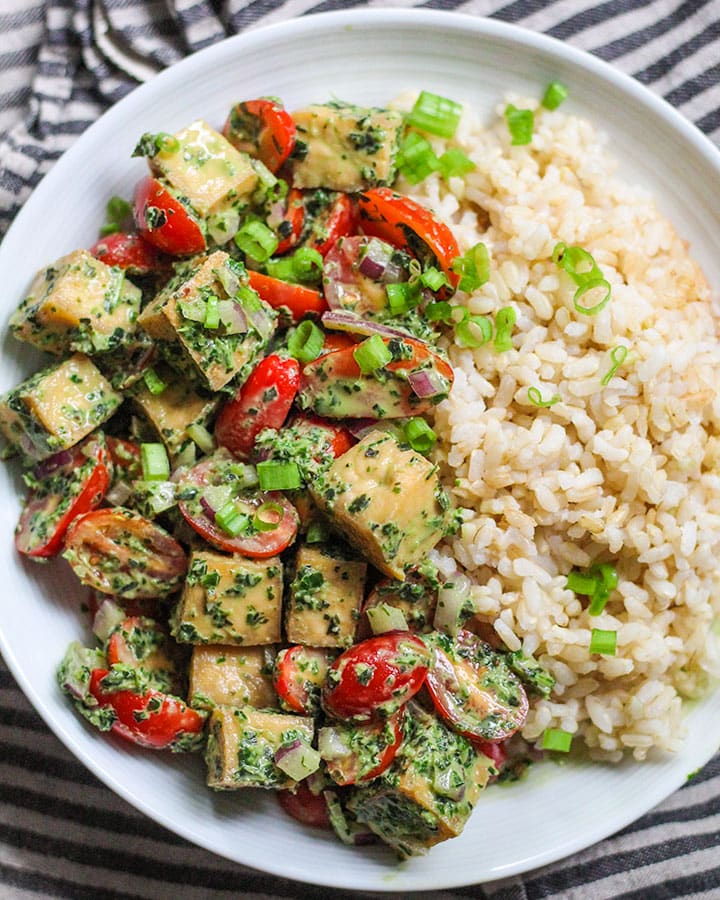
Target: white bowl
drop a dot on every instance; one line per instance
(367, 56)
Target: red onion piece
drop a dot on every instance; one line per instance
(427, 383)
(53, 463)
(232, 317)
(358, 428)
(207, 508)
(337, 320)
(371, 268)
(287, 748)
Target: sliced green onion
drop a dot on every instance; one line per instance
(212, 312)
(617, 355)
(317, 533)
(473, 331)
(153, 382)
(555, 94)
(473, 268)
(608, 574)
(274, 475)
(432, 278)
(201, 436)
(155, 462)
(454, 162)
(282, 269)
(306, 341)
(256, 240)
(602, 641)
(372, 354)
(435, 114)
(597, 583)
(402, 297)
(268, 516)
(580, 583)
(416, 158)
(535, 397)
(578, 262)
(557, 739)
(439, 312)
(419, 435)
(504, 323)
(231, 519)
(585, 289)
(384, 618)
(307, 265)
(521, 123)
(116, 211)
(194, 310)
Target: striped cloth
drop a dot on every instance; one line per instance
(63, 834)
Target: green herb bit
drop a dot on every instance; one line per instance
(505, 320)
(604, 642)
(419, 435)
(555, 94)
(557, 739)
(372, 354)
(454, 163)
(521, 123)
(116, 211)
(274, 475)
(306, 341)
(153, 382)
(416, 158)
(473, 331)
(473, 268)
(256, 240)
(435, 114)
(617, 355)
(155, 462)
(536, 398)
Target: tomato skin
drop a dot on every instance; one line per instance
(180, 234)
(297, 688)
(252, 408)
(140, 722)
(88, 497)
(339, 437)
(126, 458)
(127, 251)
(295, 216)
(393, 665)
(304, 806)
(262, 128)
(300, 300)
(339, 221)
(388, 215)
(140, 642)
(346, 770)
(496, 752)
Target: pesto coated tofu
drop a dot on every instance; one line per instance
(429, 792)
(212, 355)
(175, 409)
(232, 676)
(78, 303)
(386, 500)
(324, 598)
(57, 407)
(242, 744)
(230, 600)
(349, 148)
(205, 168)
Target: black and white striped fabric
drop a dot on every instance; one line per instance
(62, 63)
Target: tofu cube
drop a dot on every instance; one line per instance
(175, 409)
(57, 407)
(230, 600)
(78, 303)
(242, 744)
(214, 356)
(324, 598)
(349, 148)
(387, 501)
(232, 676)
(205, 168)
(429, 792)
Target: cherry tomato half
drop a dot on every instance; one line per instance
(164, 222)
(154, 719)
(127, 251)
(70, 483)
(345, 285)
(263, 401)
(304, 806)
(298, 676)
(337, 220)
(126, 458)
(473, 688)
(263, 129)
(361, 752)
(408, 225)
(338, 437)
(140, 642)
(118, 552)
(299, 299)
(374, 678)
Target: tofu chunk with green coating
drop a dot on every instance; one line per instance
(386, 500)
(204, 167)
(230, 600)
(324, 598)
(232, 676)
(57, 407)
(430, 790)
(78, 303)
(349, 148)
(214, 353)
(242, 744)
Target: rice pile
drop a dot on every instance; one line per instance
(625, 473)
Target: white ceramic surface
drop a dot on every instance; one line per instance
(366, 56)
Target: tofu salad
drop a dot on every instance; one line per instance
(233, 450)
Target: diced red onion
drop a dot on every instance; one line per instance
(450, 604)
(358, 428)
(376, 256)
(331, 745)
(337, 320)
(207, 508)
(443, 783)
(232, 316)
(297, 759)
(107, 619)
(277, 214)
(260, 321)
(55, 462)
(118, 494)
(427, 383)
(371, 268)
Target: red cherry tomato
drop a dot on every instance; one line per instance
(263, 129)
(127, 251)
(374, 678)
(154, 719)
(495, 752)
(120, 553)
(264, 401)
(164, 222)
(338, 220)
(298, 675)
(291, 227)
(70, 483)
(344, 282)
(217, 471)
(126, 458)
(299, 299)
(337, 340)
(363, 751)
(339, 438)
(306, 807)
(406, 224)
(473, 688)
